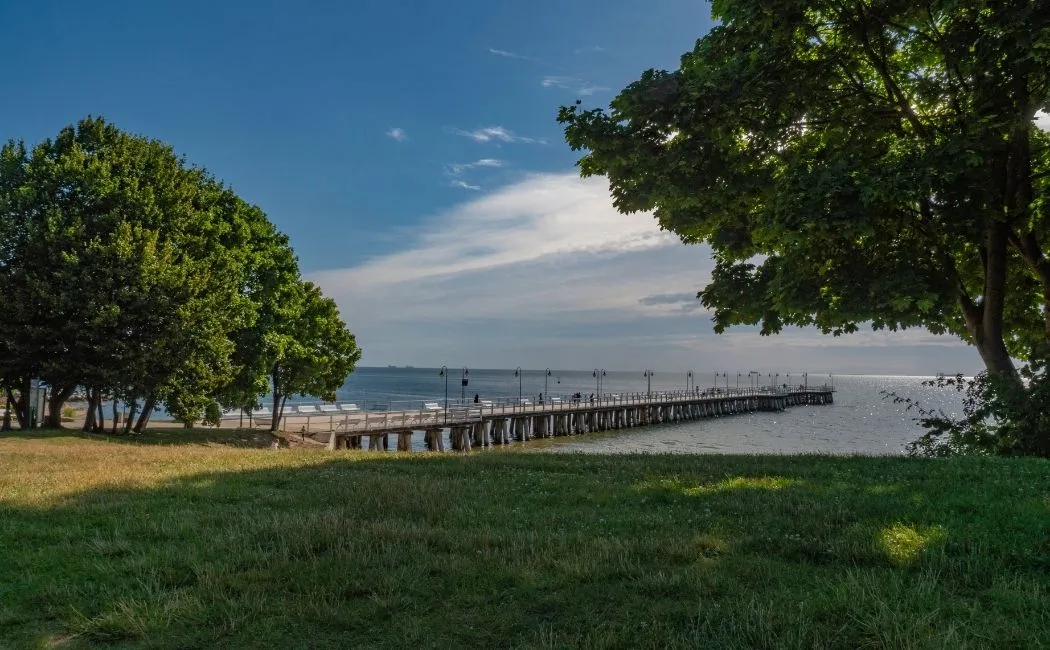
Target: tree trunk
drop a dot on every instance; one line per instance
(22, 405)
(100, 419)
(132, 409)
(278, 410)
(89, 416)
(115, 416)
(10, 405)
(147, 412)
(54, 406)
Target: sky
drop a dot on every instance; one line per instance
(410, 151)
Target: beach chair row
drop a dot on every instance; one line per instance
(312, 409)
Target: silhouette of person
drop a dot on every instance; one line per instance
(476, 398)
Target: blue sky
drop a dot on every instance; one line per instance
(410, 151)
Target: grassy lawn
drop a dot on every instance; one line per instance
(198, 543)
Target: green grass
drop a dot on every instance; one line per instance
(208, 545)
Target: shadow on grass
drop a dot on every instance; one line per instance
(531, 550)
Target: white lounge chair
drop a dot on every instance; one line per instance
(349, 408)
(431, 406)
(329, 408)
(306, 409)
(261, 411)
(486, 403)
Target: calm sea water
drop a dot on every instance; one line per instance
(860, 422)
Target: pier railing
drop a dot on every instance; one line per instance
(434, 413)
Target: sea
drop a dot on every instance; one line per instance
(863, 420)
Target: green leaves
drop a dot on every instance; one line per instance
(128, 271)
(845, 162)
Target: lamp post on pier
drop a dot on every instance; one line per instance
(688, 380)
(738, 381)
(463, 381)
(545, 378)
(776, 379)
(518, 373)
(444, 373)
(648, 374)
(805, 380)
(788, 380)
(598, 374)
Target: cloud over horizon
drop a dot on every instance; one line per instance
(397, 133)
(545, 271)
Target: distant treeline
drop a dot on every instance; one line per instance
(129, 274)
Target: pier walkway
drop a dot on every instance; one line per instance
(498, 422)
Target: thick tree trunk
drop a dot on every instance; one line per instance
(984, 321)
(116, 418)
(55, 402)
(147, 412)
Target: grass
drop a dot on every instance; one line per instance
(198, 543)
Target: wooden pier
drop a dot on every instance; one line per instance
(487, 423)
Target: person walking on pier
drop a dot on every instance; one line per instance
(477, 398)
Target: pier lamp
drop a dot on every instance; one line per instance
(545, 378)
(688, 380)
(776, 379)
(518, 373)
(770, 376)
(598, 374)
(463, 383)
(444, 373)
(648, 374)
(788, 380)
(805, 380)
(832, 379)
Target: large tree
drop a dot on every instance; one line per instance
(850, 162)
(123, 266)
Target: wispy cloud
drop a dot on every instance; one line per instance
(465, 185)
(590, 49)
(578, 86)
(458, 168)
(397, 133)
(547, 272)
(1042, 120)
(497, 134)
(512, 55)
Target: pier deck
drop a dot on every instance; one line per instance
(503, 421)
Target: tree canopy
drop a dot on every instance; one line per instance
(849, 163)
(133, 275)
